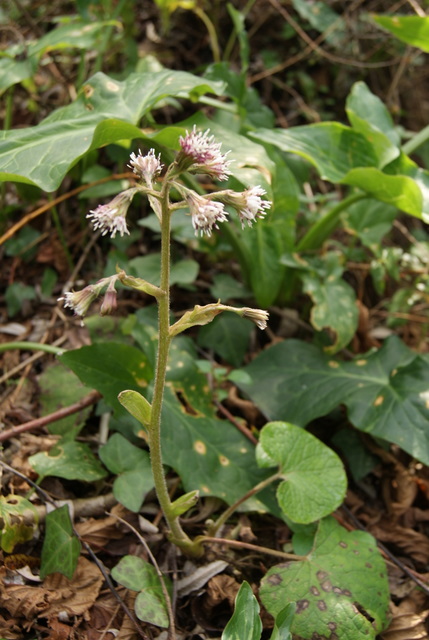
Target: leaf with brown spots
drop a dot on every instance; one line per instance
(340, 589)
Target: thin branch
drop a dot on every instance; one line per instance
(253, 547)
(87, 401)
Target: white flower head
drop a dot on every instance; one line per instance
(111, 217)
(201, 154)
(248, 204)
(147, 167)
(80, 301)
(205, 213)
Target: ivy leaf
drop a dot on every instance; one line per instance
(245, 623)
(339, 589)
(70, 460)
(135, 573)
(303, 461)
(61, 548)
(14, 529)
(386, 392)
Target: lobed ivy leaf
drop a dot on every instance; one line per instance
(386, 392)
(314, 482)
(42, 155)
(340, 589)
(68, 459)
(245, 623)
(61, 548)
(135, 573)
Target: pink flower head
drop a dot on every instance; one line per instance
(111, 217)
(146, 167)
(205, 213)
(248, 204)
(201, 154)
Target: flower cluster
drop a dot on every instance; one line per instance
(201, 154)
(147, 167)
(80, 301)
(248, 204)
(111, 217)
(205, 213)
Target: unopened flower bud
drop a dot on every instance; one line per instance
(109, 302)
(258, 316)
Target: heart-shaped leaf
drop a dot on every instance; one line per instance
(314, 482)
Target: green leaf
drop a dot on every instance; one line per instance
(14, 529)
(386, 391)
(245, 623)
(137, 574)
(16, 295)
(133, 468)
(341, 587)
(70, 460)
(90, 122)
(265, 246)
(136, 405)
(370, 221)
(61, 548)
(413, 30)
(369, 116)
(184, 272)
(60, 387)
(342, 155)
(334, 307)
(303, 460)
(324, 19)
(229, 337)
(331, 147)
(283, 623)
(110, 368)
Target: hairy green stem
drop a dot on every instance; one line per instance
(177, 535)
(214, 528)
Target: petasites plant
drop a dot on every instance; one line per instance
(288, 456)
(199, 154)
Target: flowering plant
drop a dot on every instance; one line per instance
(200, 154)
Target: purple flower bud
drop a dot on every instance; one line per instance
(248, 204)
(80, 301)
(146, 167)
(201, 154)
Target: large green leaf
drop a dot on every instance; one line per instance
(105, 111)
(340, 588)
(342, 155)
(369, 116)
(110, 368)
(303, 460)
(386, 392)
(413, 30)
